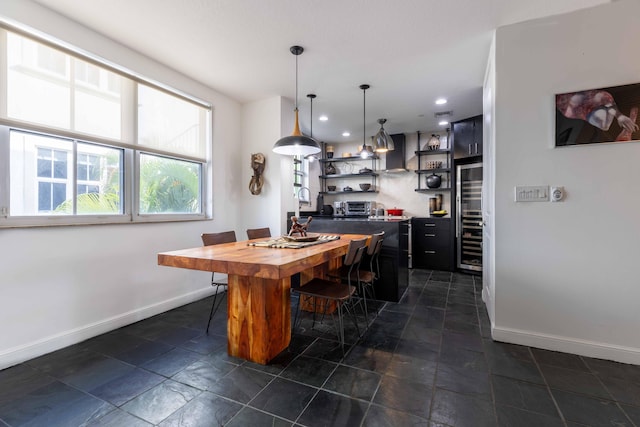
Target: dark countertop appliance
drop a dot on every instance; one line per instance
(354, 209)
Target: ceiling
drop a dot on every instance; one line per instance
(410, 51)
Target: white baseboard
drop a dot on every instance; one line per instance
(568, 345)
(19, 354)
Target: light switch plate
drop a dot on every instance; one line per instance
(528, 193)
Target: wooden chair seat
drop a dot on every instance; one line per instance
(326, 289)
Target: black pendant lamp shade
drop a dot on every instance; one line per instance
(366, 150)
(382, 139)
(297, 144)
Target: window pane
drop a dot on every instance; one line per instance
(44, 163)
(97, 106)
(38, 83)
(60, 164)
(38, 173)
(170, 124)
(169, 186)
(99, 180)
(44, 196)
(33, 191)
(59, 194)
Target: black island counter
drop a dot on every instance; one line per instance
(394, 257)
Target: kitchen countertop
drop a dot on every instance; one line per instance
(317, 215)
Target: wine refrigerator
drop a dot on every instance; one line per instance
(469, 216)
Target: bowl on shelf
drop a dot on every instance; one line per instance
(365, 187)
(331, 187)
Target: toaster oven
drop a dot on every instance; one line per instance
(354, 208)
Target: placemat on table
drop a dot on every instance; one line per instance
(280, 242)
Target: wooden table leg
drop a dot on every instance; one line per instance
(259, 317)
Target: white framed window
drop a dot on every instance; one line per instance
(60, 176)
(85, 142)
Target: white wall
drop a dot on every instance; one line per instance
(261, 128)
(566, 275)
(59, 285)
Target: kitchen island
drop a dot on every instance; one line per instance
(394, 257)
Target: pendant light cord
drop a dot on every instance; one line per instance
(364, 119)
(296, 82)
(311, 121)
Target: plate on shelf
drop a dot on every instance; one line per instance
(310, 237)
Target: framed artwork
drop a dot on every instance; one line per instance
(594, 116)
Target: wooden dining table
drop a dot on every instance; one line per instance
(258, 299)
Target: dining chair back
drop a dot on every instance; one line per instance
(328, 291)
(209, 239)
(257, 233)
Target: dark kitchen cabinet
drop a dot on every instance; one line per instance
(432, 243)
(467, 138)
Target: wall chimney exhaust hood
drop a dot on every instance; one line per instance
(396, 158)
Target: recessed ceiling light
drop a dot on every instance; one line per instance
(346, 133)
(323, 118)
(443, 122)
(441, 101)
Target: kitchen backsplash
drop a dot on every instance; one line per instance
(395, 190)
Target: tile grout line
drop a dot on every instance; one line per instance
(617, 402)
(435, 376)
(548, 387)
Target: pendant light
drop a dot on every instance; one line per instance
(382, 139)
(297, 144)
(311, 96)
(365, 150)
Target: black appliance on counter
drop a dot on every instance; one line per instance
(354, 209)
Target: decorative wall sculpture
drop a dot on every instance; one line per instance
(257, 180)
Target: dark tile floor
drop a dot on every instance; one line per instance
(427, 361)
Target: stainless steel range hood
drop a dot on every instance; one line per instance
(396, 157)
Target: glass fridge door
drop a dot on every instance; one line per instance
(469, 212)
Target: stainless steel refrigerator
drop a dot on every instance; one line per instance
(469, 216)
